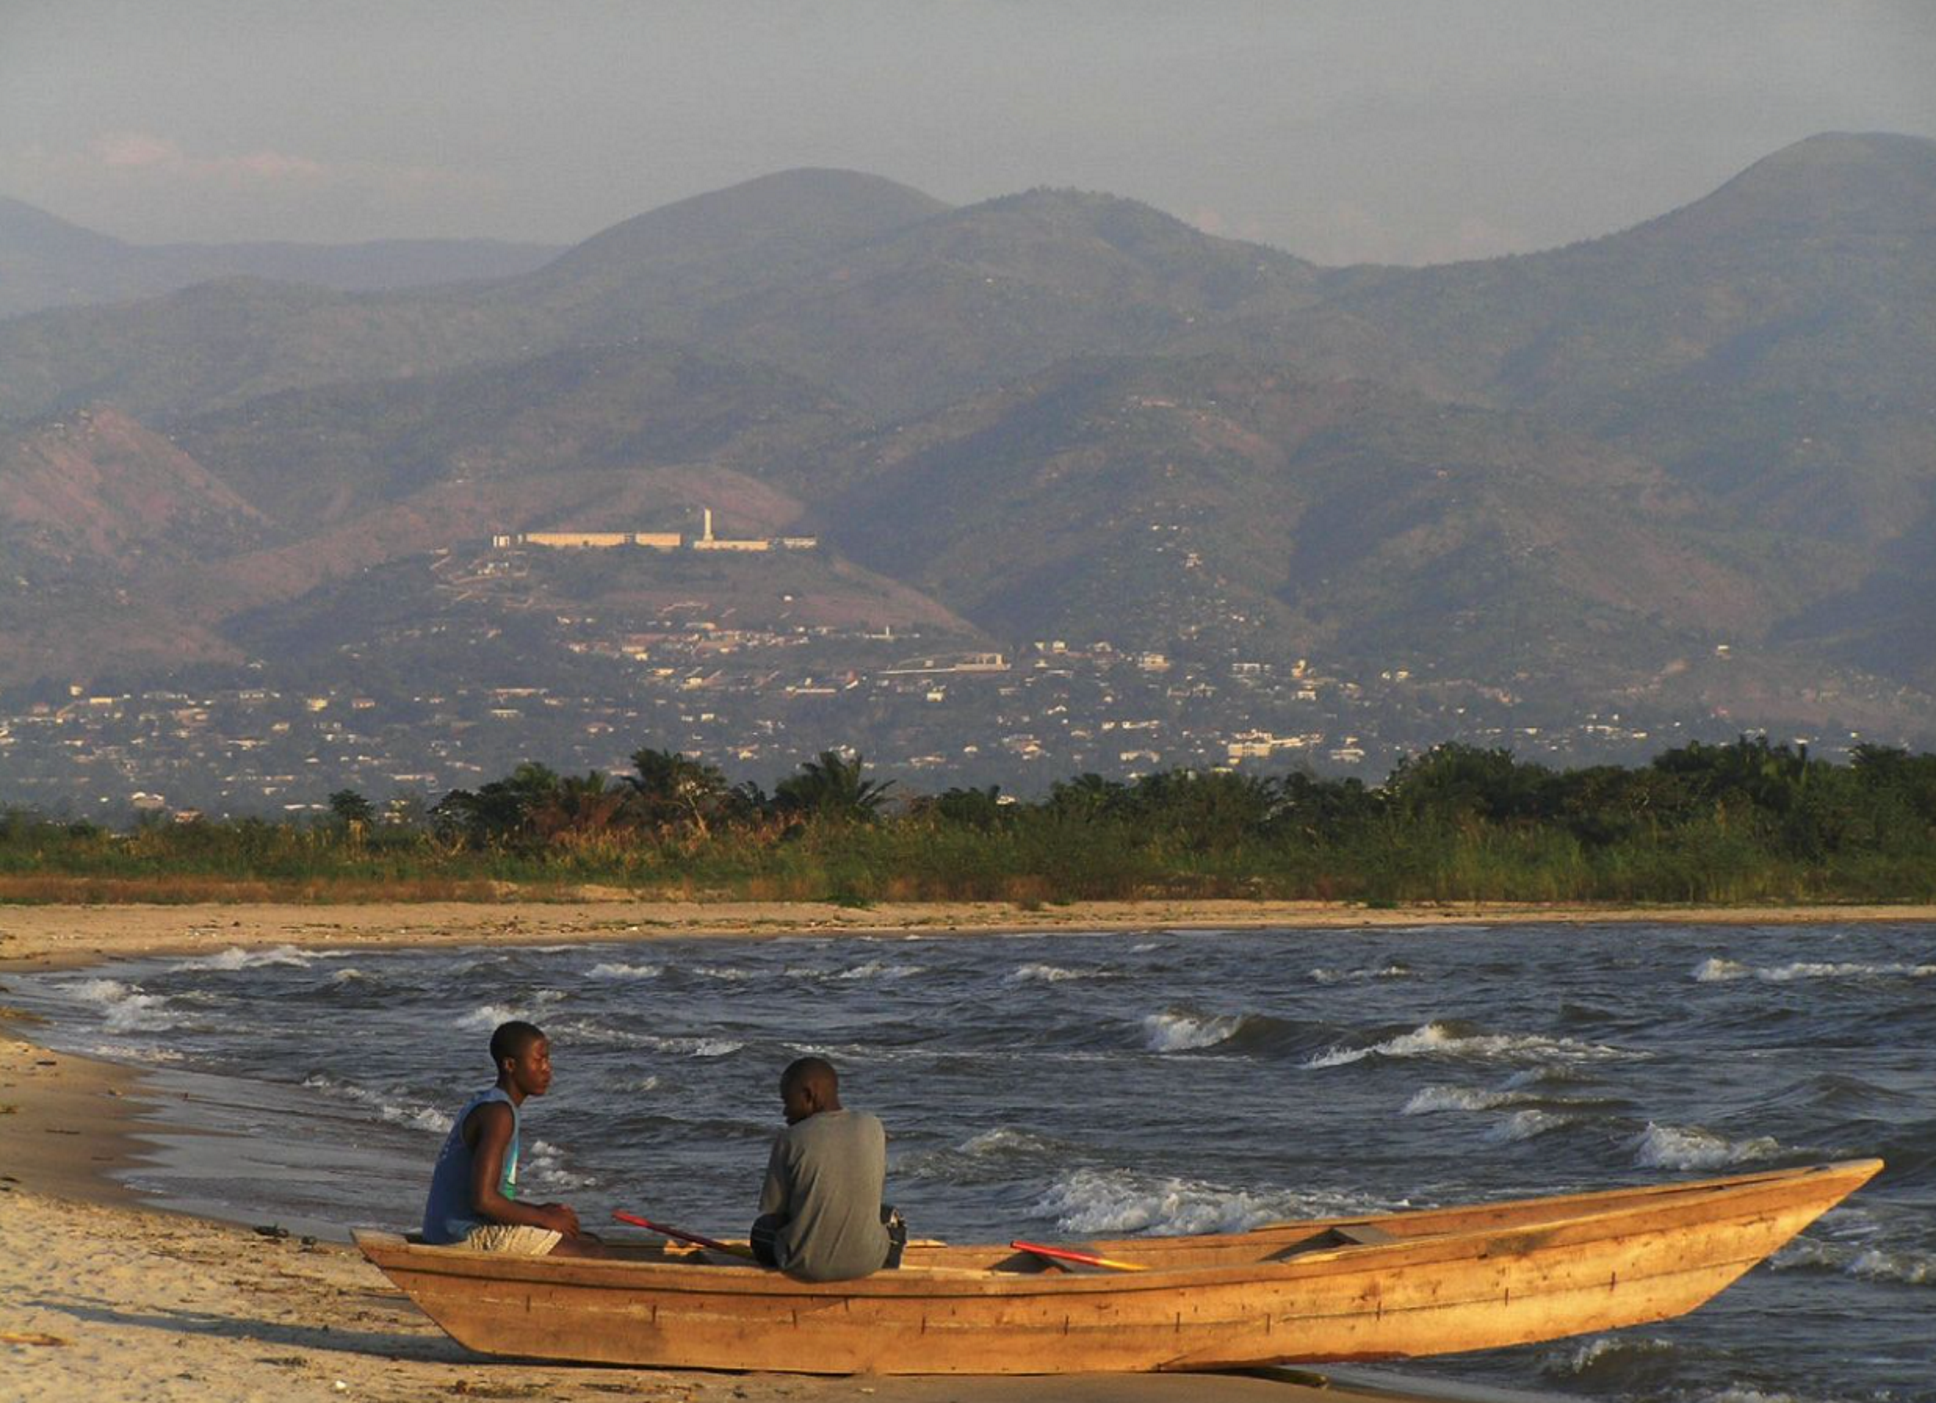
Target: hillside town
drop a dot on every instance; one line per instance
(755, 701)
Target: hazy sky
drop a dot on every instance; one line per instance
(1361, 129)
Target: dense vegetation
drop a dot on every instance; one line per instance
(1737, 823)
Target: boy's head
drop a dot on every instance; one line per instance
(808, 1086)
(523, 1057)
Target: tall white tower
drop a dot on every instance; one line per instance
(708, 534)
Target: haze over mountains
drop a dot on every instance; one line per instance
(45, 261)
(1688, 468)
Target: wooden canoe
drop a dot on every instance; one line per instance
(1395, 1286)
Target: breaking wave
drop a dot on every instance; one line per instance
(236, 957)
(1393, 970)
(1185, 1032)
(1714, 970)
(1056, 974)
(1900, 1266)
(1004, 1141)
(1690, 1147)
(1444, 1040)
(490, 1015)
(1530, 1124)
(126, 1009)
(617, 969)
(1616, 1364)
(1430, 1099)
(1110, 1203)
(415, 1115)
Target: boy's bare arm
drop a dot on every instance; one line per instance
(493, 1122)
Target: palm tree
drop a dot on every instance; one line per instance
(832, 787)
(671, 787)
(583, 806)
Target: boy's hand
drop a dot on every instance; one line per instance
(558, 1218)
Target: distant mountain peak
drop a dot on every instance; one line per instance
(814, 205)
(28, 229)
(1873, 182)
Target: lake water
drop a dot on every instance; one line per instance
(1072, 1086)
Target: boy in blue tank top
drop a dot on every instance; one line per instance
(473, 1198)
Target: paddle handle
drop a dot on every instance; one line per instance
(681, 1235)
(1069, 1254)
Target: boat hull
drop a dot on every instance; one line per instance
(1434, 1282)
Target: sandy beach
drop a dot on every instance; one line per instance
(105, 1298)
(44, 937)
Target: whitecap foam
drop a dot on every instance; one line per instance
(1528, 1124)
(1691, 1147)
(130, 1052)
(1809, 969)
(545, 1163)
(1900, 1266)
(1107, 1203)
(1002, 1140)
(727, 974)
(1427, 1100)
(1597, 1354)
(236, 957)
(685, 1046)
(126, 1009)
(1435, 1039)
(395, 1109)
(1183, 1032)
(1358, 976)
(1715, 969)
(349, 974)
(1049, 974)
(490, 1015)
(615, 969)
(1904, 1268)
(878, 969)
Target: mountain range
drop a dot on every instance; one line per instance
(45, 261)
(1691, 464)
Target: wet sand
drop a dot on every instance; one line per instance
(104, 1298)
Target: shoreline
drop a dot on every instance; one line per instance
(108, 1295)
(113, 1296)
(43, 937)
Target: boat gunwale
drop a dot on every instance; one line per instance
(942, 1282)
(1289, 1228)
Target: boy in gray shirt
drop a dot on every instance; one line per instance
(821, 1217)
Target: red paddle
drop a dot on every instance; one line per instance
(1066, 1254)
(681, 1235)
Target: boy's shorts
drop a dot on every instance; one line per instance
(515, 1239)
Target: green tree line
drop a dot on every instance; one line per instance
(1738, 823)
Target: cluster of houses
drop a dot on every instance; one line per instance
(650, 540)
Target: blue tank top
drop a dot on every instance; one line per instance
(449, 1214)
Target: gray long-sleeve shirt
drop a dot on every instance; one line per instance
(824, 1179)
